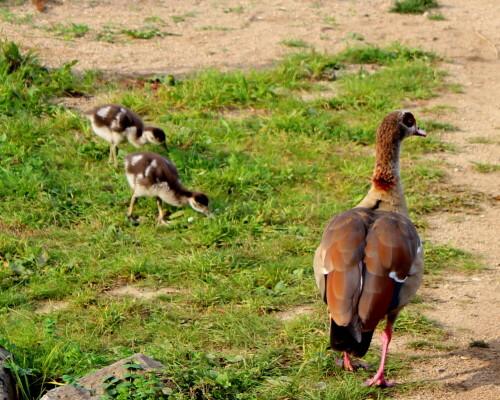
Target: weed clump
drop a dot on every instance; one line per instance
(27, 86)
(369, 54)
(479, 343)
(414, 6)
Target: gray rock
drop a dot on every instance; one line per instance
(7, 384)
(93, 382)
(69, 393)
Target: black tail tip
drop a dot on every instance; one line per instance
(341, 339)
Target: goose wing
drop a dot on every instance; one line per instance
(364, 259)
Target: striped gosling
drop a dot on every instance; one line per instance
(115, 123)
(152, 175)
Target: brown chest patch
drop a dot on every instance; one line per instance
(383, 184)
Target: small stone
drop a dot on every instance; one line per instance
(321, 385)
(7, 383)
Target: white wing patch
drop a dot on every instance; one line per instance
(136, 159)
(103, 112)
(118, 118)
(361, 280)
(393, 276)
(115, 123)
(150, 167)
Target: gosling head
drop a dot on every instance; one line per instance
(156, 136)
(199, 202)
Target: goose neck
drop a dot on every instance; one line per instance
(386, 192)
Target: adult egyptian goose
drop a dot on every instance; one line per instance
(152, 175)
(370, 261)
(115, 123)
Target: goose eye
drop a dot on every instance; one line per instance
(409, 120)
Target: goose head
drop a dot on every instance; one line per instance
(397, 126)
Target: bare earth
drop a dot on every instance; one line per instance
(248, 34)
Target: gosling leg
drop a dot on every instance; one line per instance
(161, 213)
(113, 154)
(134, 221)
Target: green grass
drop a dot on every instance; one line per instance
(456, 88)
(67, 32)
(436, 17)
(28, 86)
(440, 109)
(414, 6)
(295, 43)
(275, 167)
(437, 126)
(331, 21)
(414, 322)
(484, 140)
(369, 54)
(444, 258)
(355, 36)
(486, 168)
(156, 20)
(146, 32)
(182, 18)
(215, 28)
(154, 27)
(235, 10)
(16, 19)
(479, 343)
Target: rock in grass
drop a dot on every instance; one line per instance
(69, 393)
(7, 386)
(93, 383)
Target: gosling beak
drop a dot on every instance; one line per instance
(164, 147)
(208, 214)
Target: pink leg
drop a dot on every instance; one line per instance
(379, 378)
(347, 363)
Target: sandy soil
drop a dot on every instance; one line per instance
(249, 34)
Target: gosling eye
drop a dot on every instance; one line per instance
(201, 199)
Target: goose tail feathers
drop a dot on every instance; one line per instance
(349, 339)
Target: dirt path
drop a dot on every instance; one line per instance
(243, 34)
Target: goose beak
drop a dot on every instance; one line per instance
(419, 132)
(164, 147)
